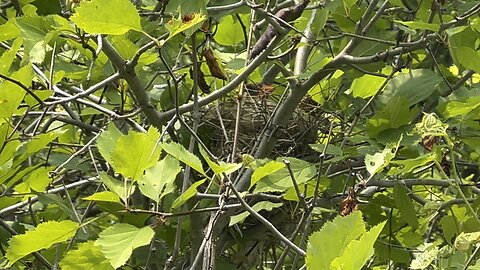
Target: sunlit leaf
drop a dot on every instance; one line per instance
(136, 152)
(85, 257)
(424, 259)
(107, 141)
(366, 86)
(118, 242)
(43, 236)
(158, 180)
(269, 168)
(111, 17)
(117, 186)
(189, 193)
(357, 252)
(221, 167)
(281, 180)
(332, 240)
(181, 25)
(104, 196)
(182, 154)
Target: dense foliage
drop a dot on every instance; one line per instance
(234, 134)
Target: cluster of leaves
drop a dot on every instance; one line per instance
(109, 154)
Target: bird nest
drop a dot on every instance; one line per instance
(293, 139)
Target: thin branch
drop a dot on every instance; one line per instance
(265, 222)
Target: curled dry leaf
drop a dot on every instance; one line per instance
(202, 84)
(213, 65)
(349, 204)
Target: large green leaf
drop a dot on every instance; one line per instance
(415, 85)
(118, 242)
(405, 205)
(43, 236)
(393, 115)
(331, 241)
(158, 180)
(229, 28)
(111, 17)
(182, 154)
(87, 256)
(136, 152)
(358, 251)
(281, 180)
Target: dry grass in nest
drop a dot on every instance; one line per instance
(293, 139)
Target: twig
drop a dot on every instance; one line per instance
(266, 222)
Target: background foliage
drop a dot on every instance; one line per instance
(239, 134)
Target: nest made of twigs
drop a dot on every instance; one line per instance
(293, 139)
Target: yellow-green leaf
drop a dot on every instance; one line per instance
(111, 17)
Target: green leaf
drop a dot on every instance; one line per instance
(117, 186)
(7, 57)
(408, 165)
(55, 199)
(107, 141)
(104, 196)
(465, 240)
(331, 241)
(281, 180)
(405, 205)
(267, 169)
(307, 189)
(158, 180)
(182, 154)
(11, 95)
(330, 149)
(469, 58)
(132, 161)
(37, 31)
(8, 30)
(36, 144)
(424, 259)
(415, 85)
(376, 162)
(265, 205)
(110, 17)
(221, 167)
(366, 86)
(358, 251)
(118, 242)
(37, 180)
(229, 28)
(394, 115)
(421, 25)
(177, 26)
(189, 193)
(43, 236)
(454, 108)
(87, 256)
